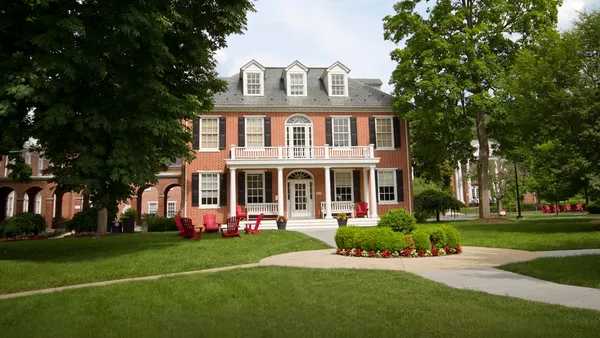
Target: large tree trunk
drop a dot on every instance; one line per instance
(499, 206)
(102, 220)
(483, 165)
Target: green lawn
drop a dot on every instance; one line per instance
(577, 270)
(532, 235)
(288, 302)
(32, 265)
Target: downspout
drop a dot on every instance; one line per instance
(409, 167)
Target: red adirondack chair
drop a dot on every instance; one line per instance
(580, 207)
(571, 207)
(248, 227)
(210, 223)
(552, 209)
(188, 229)
(561, 208)
(233, 224)
(179, 225)
(239, 213)
(545, 209)
(362, 209)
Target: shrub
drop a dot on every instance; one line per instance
(594, 207)
(22, 224)
(421, 239)
(379, 239)
(434, 202)
(83, 221)
(129, 213)
(345, 237)
(410, 242)
(160, 224)
(452, 235)
(398, 220)
(437, 237)
(422, 216)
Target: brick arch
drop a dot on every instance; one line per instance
(31, 193)
(166, 197)
(4, 192)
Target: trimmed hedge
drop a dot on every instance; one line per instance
(83, 221)
(398, 220)
(23, 224)
(371, 239)
(344, 237)
(129, 213)
(421, 239)
(428, 237)
(160, 224)
(593, 207)
(452, 235)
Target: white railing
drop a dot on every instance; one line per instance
(337, 207)
(323, 152)
(261, 208)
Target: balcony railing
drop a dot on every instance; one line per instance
(323, 152)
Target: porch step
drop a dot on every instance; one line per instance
(304, 224)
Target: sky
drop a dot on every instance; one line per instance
(319, 32)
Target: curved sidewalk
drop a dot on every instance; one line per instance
(472, 270)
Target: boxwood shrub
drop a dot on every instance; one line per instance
(344, 237)
(160, 224)
(398, 220)
(83, 221)
(23, 224)
(452, 235)
(421, 239)
(428, 237)
(370, 239)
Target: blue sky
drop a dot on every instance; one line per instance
(320, 32)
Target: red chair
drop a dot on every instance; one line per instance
(188, 229)
(210, 223)
(580, 208)
(233, 224)
(561, 208)
(571, 207)
(239, 213)
(179, 225)
(552, 209)
(362, 209)
(545, 209)
(248, 227)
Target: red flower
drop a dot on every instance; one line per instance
(459, 249)
(434, 252)
(358, 252)
(386, 254)
(348, 252)
(371, 253)
(339, 251)
(448, 250)
(421, 253)
(405, 252)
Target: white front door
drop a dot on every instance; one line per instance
(301, 200)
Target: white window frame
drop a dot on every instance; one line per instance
(246, 118)
(393, 171)
(345, 84)
(200, 133)
(5, 166)
(291, 85)
(28, 158)
(26, 202)
(260, 83)
(174, 205)
(335, 184)
(152, 203)
(10, 204)
(40, 165)
(254, 172)
(209, 206)
(333, 133)
(391, 119)
(37, 207)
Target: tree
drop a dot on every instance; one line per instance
(434, 202)
(553, 108)
(449, 69)
(105, 85)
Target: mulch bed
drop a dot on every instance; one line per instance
(18, 239)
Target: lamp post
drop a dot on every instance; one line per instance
(519, 216)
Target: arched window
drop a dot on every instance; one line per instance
(299, 136)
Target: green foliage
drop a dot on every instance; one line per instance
(83, 221)
(344, 237)
(452, 235)
(422, 216)
(432, 202)
(398, 220)
(437, 236)
(593, 207)
(421, 184)
(160, 224)
(421, 239)
(129, 213)
(380, 239)
(22, 224)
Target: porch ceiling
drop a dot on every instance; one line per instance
(304, 163)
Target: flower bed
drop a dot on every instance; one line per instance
(357, 252)
(26, 238)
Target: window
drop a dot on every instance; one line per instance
(475, 192)
(10, 202)
(26, 202)
(296, 84)
(209, 189)
(152, 208)
(383, 132)
(341, 131)
(38, 203)
(338, 86)
(28, 158)
(40, 165)
(253, 83)
(386, 184)
(171, 209)
(209, 133)
(343, 186)
(254, 132)
(255, 188)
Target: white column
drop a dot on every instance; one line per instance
(328, 192)
(280, 191)
(232, 194)
(373, 206)
(366, 186)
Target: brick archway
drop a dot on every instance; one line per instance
(4, 192)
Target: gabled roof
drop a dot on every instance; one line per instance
(296, 63)
(252, 62)
(336, 64)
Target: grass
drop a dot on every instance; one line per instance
(532, 235)
(576, 270)
(288, 302)
(32, 265)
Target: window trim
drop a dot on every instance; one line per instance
(175, 209)
(254, 148)
(40, 165)
(391, 119)
(261, 84)
(346, 118)
(393, 171)
(209, 206)
(37, 208)
(344, 77)
(289, 84)
(264, 185)
(28, 158)
(200, 133)
(335, 172)
(152, 202)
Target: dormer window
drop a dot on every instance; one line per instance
(296, 84)
(338, 85)
(253, 84)
(294, 78)
(335, 79)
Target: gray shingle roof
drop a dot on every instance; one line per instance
(360, 92)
